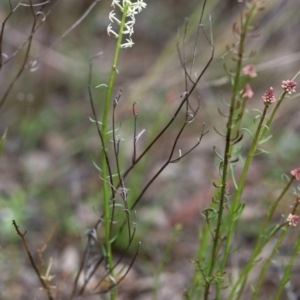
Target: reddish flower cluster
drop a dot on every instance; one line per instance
(289, 86)
(247, 92)
(296, 173)
(269, 96)
(293, 220)
(250, 70)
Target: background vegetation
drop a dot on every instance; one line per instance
(46, 175)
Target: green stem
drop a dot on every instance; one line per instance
(268, 262)
(287, 272)
(203, 246)
(272, 115)
(240, 188)
(258, 247)
(270, 119)
(107, 103)
(227, 153)
(165, 258)
(250, 264)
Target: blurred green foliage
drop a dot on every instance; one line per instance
(56, 121)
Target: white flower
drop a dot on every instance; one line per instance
(115, 2)
(139, 5)
(132, 22)
(126, 2)
(112, 17)
(129, 43)
(129, 30)
(132, 9)
(109, 30)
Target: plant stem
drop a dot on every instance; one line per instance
(273, 112)
(228, 150)
(259, 246)
(165, 258)
(107, 103)
(203, 246)
(287, 271)
(238, 193)
(268, 262)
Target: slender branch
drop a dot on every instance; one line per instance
(120, 259)
(169, 160)
(98, 128)
(22, 235)
(185, 98)
(134, 132)
(82, 263)
(22, 66)
(125, 274)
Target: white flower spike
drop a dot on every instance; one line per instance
(132, 9)
(129, 43)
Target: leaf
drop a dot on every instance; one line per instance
(209, 213)
(265, 140)
(216, 186)
(239, 211)
(217, 154)
(235, 160)
(257, 110)
(2, 140)
(235, 249)
(233, 177)
(93, 121)
(100, 85)
(261, 151)
(94, 163)
(111, 131)
(114, 238)
(247, 130)
(103, 250)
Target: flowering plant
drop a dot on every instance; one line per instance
(129, 9)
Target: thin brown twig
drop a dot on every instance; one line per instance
(82, 264)
(197, 35)
(22, 235)
(98, 128)
(73, 26)
(22, 66)
(86, 281)
(125, 274)
(62, 277)
(185, 98)
(2, 32)
(135, 114)
(70, 29)
(45, 15)
(183, 65)
(119, 260)
(44, 247)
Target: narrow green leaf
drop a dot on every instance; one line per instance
(217, 154)
(239, 211)
(94, 163)
(265, 139)
(111, 131)
(247, 130)
(233, 177)
(93, 121)
(2, 140)
(100, 85)
(261, 151)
